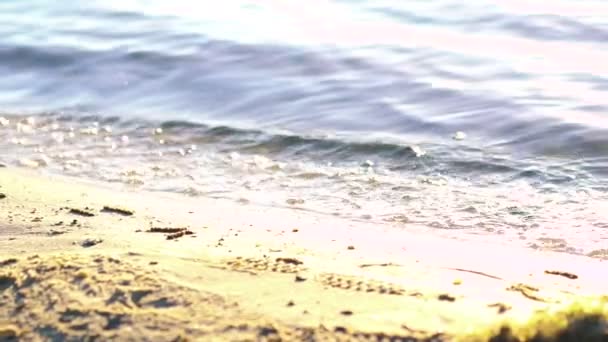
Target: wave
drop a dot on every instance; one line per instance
(456, 159)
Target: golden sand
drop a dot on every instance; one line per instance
(80, 261)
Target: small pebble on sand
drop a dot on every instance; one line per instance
(91, 242)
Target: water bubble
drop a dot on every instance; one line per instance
(130, 173)
(4, 122)
(294, 201)
(470, 209)
(278, 166)
(17, 141)
(30, 121)
(419, 152)
(106, 129)
(157, 131)
(124, 139)
(424, 180)
(398, 218)
(261, 161)
(191, 149)
(89, 131)
(459, 135)
(42, 160)
(134, 181)
(24, 128)
(68, 168)
(73, 163)
(367, 163)
(25, 162)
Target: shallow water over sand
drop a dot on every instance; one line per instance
(412, 185)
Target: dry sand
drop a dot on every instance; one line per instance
(83, 262)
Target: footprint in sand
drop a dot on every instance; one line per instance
(253, 265)
(352, 283)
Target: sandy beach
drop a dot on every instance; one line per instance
(82, 261)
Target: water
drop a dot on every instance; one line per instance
(485, 118)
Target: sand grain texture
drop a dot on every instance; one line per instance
(174, 268)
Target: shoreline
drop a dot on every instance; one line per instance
(273, 272)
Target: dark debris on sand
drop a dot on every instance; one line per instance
(563, 274)
(172, 232)
(81, 212)
(90, 242)
(116, 210)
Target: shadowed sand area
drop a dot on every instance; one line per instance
(79, 261)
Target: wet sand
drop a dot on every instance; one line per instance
(81, 260)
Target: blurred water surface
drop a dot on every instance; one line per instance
(349, 108)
